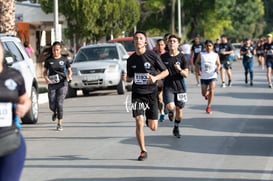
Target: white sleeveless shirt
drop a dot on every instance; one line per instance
(208, 65)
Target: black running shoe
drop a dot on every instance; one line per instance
(170, 115)
(143, 155)
(176, 132)
(54, 116)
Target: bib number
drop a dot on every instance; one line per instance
(5, 114)
(182, 97)
(54, 79)
(141, 78)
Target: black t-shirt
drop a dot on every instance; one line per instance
(222, 48)
(57, 67)
(249, 55)
(12, 86)
(268, 47)
(139, 66)
(196, 49)
(174, 80)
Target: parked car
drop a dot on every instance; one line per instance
(98, 66)
(236, 48)
(17, 57)
(128, 43)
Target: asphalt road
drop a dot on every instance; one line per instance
(98, 143)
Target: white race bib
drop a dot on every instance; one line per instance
(141, 78)
(54, 79)
(182, 97)
(197, 50)
(5, 114)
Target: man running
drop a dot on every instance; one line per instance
(225, 49)
(268, 48)
(142, 68)
(210, 65)
(248, 51)
(196, 48)
(174, 89)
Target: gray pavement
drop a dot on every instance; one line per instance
(98, 142)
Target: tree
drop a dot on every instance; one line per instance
(7, 18)
(94, 19)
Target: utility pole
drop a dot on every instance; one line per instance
(179, 18)
(173, 17)
(56, 21)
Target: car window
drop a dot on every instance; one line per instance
(13, 49)
(97, 53)
(128, 45)
(122, 50)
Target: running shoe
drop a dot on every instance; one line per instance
(161, 117)
(143, 155)
(223, 85)
(59, 127)
(270, 86)
(251, 83)
(208, 110)
(54, 116)
(170, 115)
(176, 132)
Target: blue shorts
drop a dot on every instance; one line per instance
(208, 81)
(169, 96)
(269, 64)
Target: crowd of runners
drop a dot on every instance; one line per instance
(159, 76)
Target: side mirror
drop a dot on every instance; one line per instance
(125, 57)
(9, 61)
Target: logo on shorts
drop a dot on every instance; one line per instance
(135, 105)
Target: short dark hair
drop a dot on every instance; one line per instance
(140, 32)
(208, 41)
(57, 43)
(223, 36)
(174, 36)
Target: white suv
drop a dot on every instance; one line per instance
(17, 57)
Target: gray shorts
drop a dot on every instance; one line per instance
(169, 96)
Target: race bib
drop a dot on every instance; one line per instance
(54, 79)
(5, 114)
(197, 50)
(182, 97)
(222, 50)
(141, 78)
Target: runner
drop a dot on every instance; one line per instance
(160, 49)
(268, 48)
(55, 69)
(174, 90)
(142, 68)
(210, 66)
(216, 45)
(196, 48)
(14, 103)
(260, 52)
(225, 49)
(248, 51)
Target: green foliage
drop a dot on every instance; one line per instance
(91, 20)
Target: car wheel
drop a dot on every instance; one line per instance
(71, 92)
(121, 87)
(32, 116)
(85, 92)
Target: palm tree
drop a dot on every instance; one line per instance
(7, 17)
